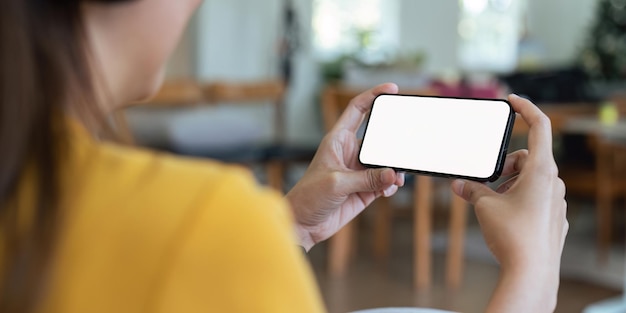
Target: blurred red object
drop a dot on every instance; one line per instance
(464, 89)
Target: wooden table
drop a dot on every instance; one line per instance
(334, 101)
(592, 126)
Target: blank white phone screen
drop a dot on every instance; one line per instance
(449, 136)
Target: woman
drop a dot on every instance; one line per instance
(90, 226)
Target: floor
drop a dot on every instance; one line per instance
(368, 285)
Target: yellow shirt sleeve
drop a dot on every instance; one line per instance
(238, 254)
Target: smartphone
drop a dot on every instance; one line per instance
(438, 136)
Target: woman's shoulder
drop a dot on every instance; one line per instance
(158, 224)
(111, 178)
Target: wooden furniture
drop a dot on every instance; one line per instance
(256, 93)
(607, 182)
(191, 92)
(335, 100)
(613, 152)
(610, 178)
(183, 92)
(579, 181)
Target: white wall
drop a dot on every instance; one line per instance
(431, 26)
(239, 39)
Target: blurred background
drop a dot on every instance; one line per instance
(258, 83)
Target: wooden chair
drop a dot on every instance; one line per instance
(335, 99)
(611, 185)
(610, 178)
(603, 179)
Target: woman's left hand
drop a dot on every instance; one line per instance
(336, 188)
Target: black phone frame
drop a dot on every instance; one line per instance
(503, 147)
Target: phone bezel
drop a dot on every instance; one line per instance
(503, 146)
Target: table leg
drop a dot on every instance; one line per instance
(275, 175)
(604, 193)
(340, 250)
(382, 230)
(456, 242)
(423, 219)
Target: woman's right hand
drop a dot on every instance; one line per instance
(524, 221)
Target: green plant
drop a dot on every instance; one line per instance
(604, 54)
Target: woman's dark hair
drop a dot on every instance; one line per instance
(44, 68)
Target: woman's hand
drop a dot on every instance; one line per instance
(524, 221)
(335, 187)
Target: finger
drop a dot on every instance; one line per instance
(400, 179)
(370, 180)
(471, 191)
(540, 129)
(354, 114)
(390, 191)
(514, 162)
(561, 188)
(504, 187)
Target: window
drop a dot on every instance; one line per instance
(368, 27)
(489, 32)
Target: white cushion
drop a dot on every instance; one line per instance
(201, 128)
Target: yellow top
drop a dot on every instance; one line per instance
(144, 232)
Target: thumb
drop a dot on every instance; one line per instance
(370, 180)
(471, 191)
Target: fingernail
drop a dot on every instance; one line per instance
(458, 186)
(390, 191)
(383, 174)
(514, 95)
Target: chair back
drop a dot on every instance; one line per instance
(336, 99)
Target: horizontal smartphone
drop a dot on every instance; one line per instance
(438, 136)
